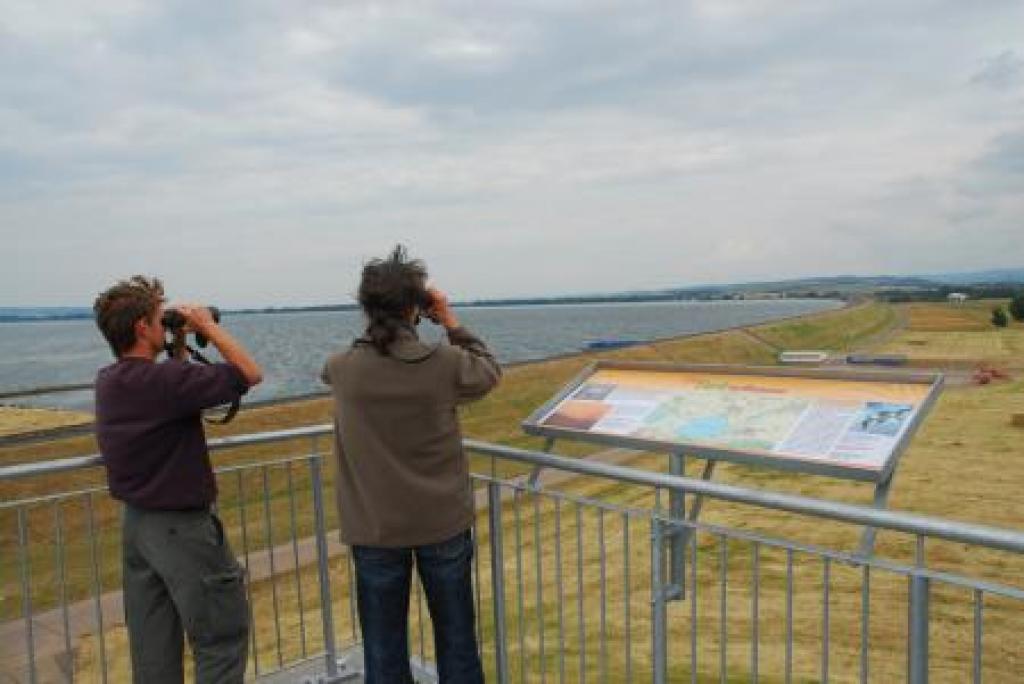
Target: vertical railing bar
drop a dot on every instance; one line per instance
(295, 555)
(581, 623)
(625, 597)
(724, 623)
(976, 656)
(58, 514)
(561, 590)
(693, 606)
(419, 616)
(755, 618)
(26, 593)
(273, 571)
(248, 583)
(602, 565)
(540, 584)
(825, 618)
(495, 527)
(351, 571)
(918, 622)
(97, 585)
(789, 615)
(519, 585)
(479, 587)
(323, 572)
(865, 608)
(658, 613)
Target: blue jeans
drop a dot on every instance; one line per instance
(383, 580)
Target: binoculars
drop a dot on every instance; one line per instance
(173, 320)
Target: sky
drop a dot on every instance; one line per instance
(257, 153)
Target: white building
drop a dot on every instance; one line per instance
(956, 298)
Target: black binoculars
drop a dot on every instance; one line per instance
(174, 322)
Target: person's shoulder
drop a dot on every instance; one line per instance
(128, 368)
(105, 372)
(448, 353)
(172, 367)
(104, 377)
(340, 356)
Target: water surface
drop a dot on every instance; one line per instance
(292, 346)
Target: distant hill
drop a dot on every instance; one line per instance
(893, 287)
(1003, 275)
(43, 313)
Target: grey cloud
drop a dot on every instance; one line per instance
(998, 170)
(1001, 72)
(662, 143)
(670, 58)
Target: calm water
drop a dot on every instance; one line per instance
(292, 347)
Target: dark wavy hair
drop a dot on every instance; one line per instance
(389, 291)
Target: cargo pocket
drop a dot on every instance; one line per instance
(226, 609)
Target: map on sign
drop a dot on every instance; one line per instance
(853, 423)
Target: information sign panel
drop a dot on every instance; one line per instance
(844, 423)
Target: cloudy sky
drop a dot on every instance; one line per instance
(256, 153)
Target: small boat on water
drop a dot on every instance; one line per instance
(611, 344)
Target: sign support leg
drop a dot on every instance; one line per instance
(549, 444)
(679, 537)
(881, 502)
(677, 542)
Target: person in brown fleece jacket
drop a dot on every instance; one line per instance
(402, 483)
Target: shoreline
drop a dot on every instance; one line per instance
(79, 428)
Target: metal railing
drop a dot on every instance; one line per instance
(61, 616)
(591, 579)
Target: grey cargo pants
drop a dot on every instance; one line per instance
(181, 576)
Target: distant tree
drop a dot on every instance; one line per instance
(999, 318)
(1017, 306)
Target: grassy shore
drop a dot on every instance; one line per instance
(18, 419)
(964, 464)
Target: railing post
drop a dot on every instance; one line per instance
(678, 536)
(326, 613)
(918, 639)
(26, 594)
(497, 582)
(659, 615)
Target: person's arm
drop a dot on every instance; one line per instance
(198, 318)
(478, 371)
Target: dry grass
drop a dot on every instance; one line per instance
(942, 334)
(841, 330)
(15, 419)
(969, 317)
(963, 465)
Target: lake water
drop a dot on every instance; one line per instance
(292, 346)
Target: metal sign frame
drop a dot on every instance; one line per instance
(678, 451)
(533, 424)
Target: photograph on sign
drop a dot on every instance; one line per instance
(850, 423)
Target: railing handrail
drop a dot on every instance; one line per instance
(62, 465)
(967, 533)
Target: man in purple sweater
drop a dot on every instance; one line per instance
(180, 576)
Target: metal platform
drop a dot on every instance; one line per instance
(350, 671)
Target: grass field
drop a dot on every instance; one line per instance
(942, 333)
(964, 464)
(14, 420)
